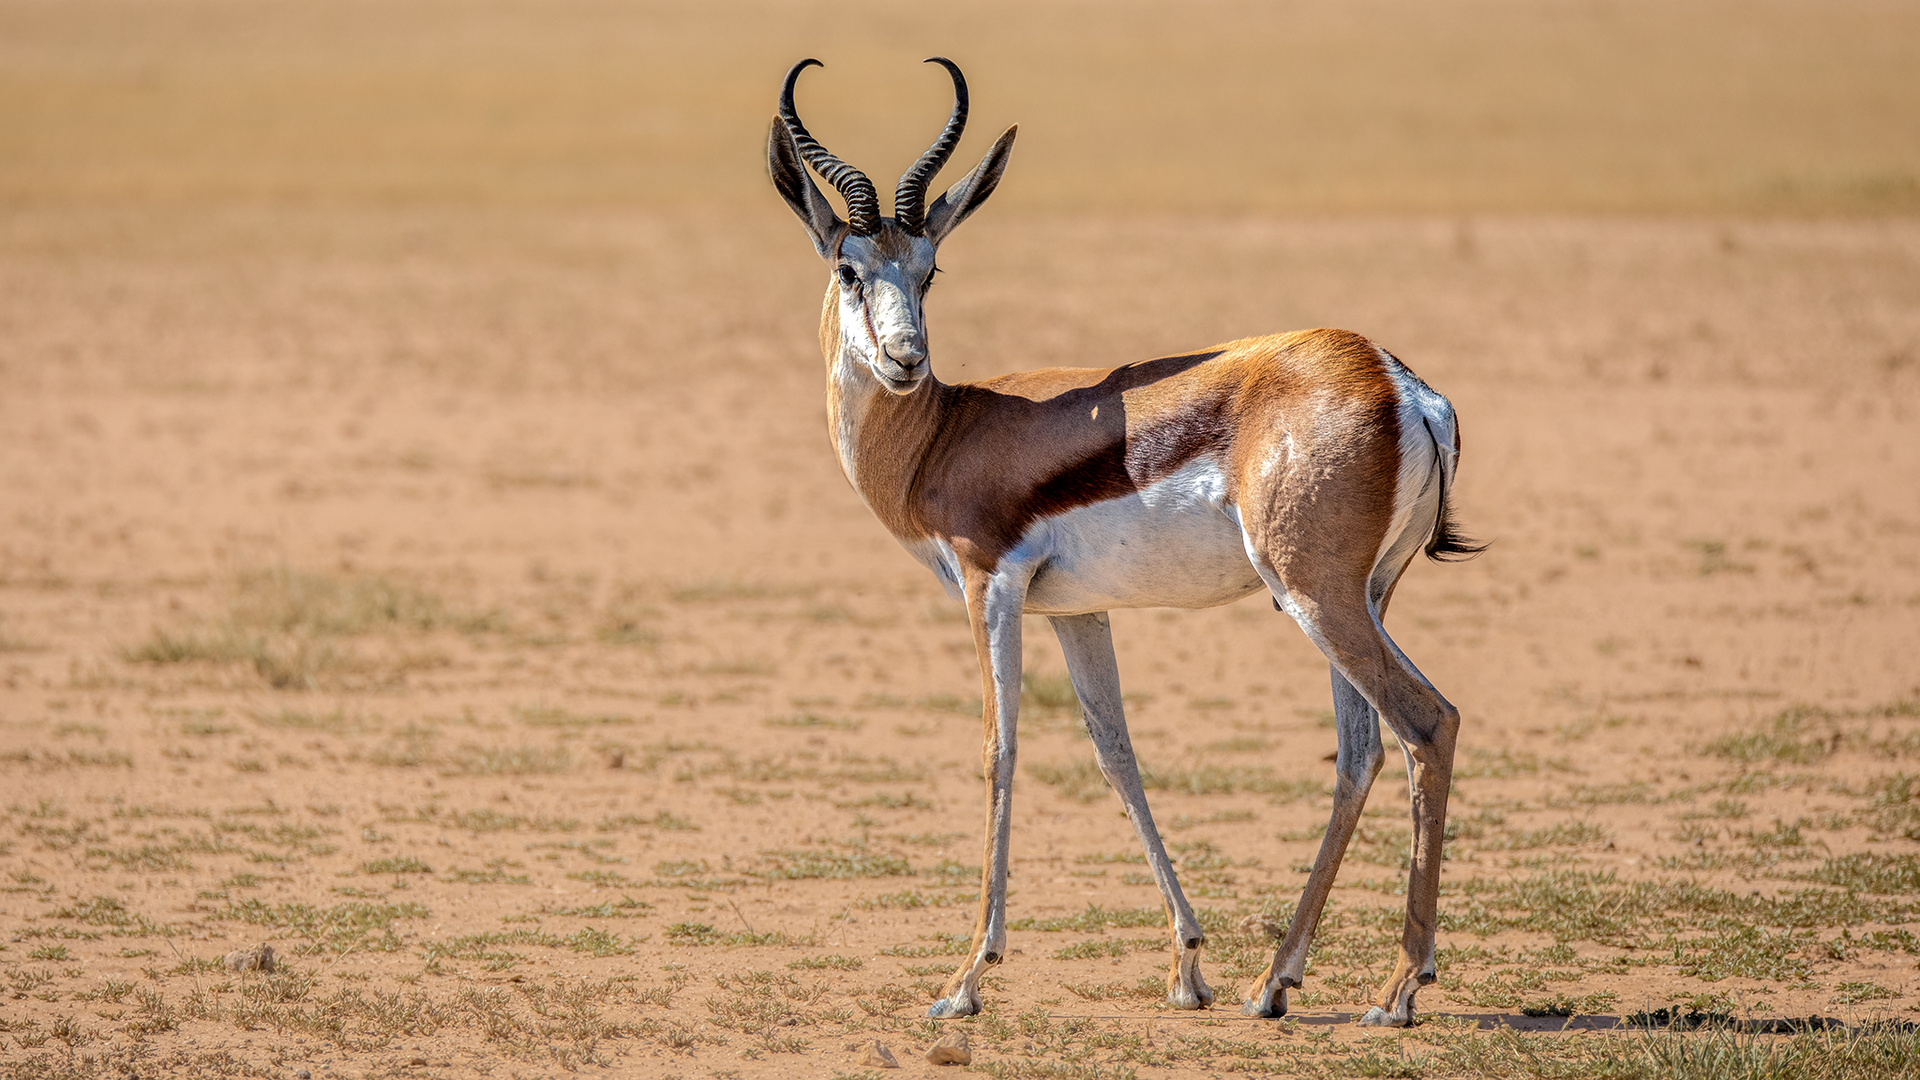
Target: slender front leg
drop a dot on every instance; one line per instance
(994, 603)
(1357, 763)
(1087, 641)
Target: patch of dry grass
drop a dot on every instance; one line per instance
(285, 626)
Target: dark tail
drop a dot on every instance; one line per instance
(1448, 543)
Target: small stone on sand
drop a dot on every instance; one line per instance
(258, 958)
(951, 1050)
(1259, 926)
(879, 1057)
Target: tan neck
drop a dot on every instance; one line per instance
(882, 438)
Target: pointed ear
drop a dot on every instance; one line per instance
(790, 177)
(964, 197)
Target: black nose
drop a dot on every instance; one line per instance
(908, 354)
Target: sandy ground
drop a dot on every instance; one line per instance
(461, 596)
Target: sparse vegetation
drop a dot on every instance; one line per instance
(399, 864)
(1082, 780)
(805, 863)
(815, 721)
(1561, 834)
(1871, 873)
(1053, 693)
(354, 926)
(1780, 739)
(694, 933)
(288, 627)
(830, 962)
(524, 760)
(1094, 919)
(551, 717)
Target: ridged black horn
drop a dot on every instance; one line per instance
(910, 194)
(863, 203)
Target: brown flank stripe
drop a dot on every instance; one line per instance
(978, 463)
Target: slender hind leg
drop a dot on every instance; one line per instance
(1331, 516)
(1331, 602)
(1427, 726)
(1087, 641)
(1357, 763)
(1349, 632)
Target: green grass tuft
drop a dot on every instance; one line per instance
(399, 864)
(1083, 780)
(1871, 873)
(833, 962)
(1052, 693)
(806, 863)
(1094, 919)
(1779, 740)
(523, 760)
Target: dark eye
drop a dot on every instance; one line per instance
(849, 279)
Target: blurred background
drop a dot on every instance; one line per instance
(461, 288)
(471, 285)
(1684, 106)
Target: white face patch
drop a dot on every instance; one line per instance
(882, 311)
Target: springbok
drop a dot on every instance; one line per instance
(1313, 464)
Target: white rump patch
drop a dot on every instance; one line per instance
(1425, 418)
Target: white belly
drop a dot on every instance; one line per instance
(1173, 544)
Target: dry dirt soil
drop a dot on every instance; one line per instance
(420, 550)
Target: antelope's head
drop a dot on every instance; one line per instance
(882, 267)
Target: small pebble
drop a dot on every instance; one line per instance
(258, 958)
(1261, 927)
(951, 1050)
